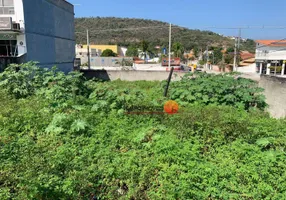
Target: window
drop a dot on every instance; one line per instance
(7, 3)
(7, 7)
(7, 10)
(11, 11)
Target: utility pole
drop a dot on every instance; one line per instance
(172, 69)
(207, 56)
(170, 36)
(235, 52)
(88, 54)
(239, 37)
(236, 49)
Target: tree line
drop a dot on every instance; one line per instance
(131, 32)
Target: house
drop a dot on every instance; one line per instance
(82, 53)
(122, 51)
(37, 30)
(270, 56)
(247, 63)
(102, 47)
(247, 59)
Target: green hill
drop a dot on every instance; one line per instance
(126, 31)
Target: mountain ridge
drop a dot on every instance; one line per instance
(131, 31)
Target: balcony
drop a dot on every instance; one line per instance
(7, 10)
(11, 51)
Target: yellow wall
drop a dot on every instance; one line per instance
(114, 48)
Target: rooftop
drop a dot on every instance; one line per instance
(273, 43)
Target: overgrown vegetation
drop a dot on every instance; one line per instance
(63, 137)
(124, 33)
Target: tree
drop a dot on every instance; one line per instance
(132, 51)
(230, 50)
(217, 55)
(144, 46)
(196, 51)
(108, 53)
(178, 49)
(124, 37)
(228, 58)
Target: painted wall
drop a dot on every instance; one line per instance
(49, 28)
(105, 61)
(18, 15)
(248, 69)
(114, 48)
(270, 53)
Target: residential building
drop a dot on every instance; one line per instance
(247, 62)
(101, 47)
(247, 59)
(82, 53)
(270, 56)
(122, 51)
(37, 30)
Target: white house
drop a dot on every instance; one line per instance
(270, 56)
(37, 30)
(122, 51)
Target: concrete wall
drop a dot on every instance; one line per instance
(270, 52)
(217, 69)
(248, 69)
(132, 75)
(275, 87)
(275, 92)
(49, 28)
(105, 61)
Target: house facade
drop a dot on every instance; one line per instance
(37, 30)
(270, 57)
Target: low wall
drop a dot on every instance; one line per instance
(217, 69)
(107, 61)
(275, 87)
(130, 75)
(275, 92)
(248, 69)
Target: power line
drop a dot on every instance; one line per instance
(248, 27)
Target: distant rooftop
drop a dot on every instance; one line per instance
(273, 43)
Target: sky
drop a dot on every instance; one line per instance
(198, 14)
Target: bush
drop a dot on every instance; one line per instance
(90, 149)
(108, 53)
(223, 89)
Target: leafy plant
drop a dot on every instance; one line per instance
(108, 53)
(219, 90)
(99, 143)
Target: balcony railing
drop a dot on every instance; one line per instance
(12, 50)
(7, 11)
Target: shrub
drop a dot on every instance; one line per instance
(90, 149)
(223, 89)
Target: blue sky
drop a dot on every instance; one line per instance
(197, 14)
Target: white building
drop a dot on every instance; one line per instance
(82, 53)
(37, 30)
(122, 51)
(270, 56)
